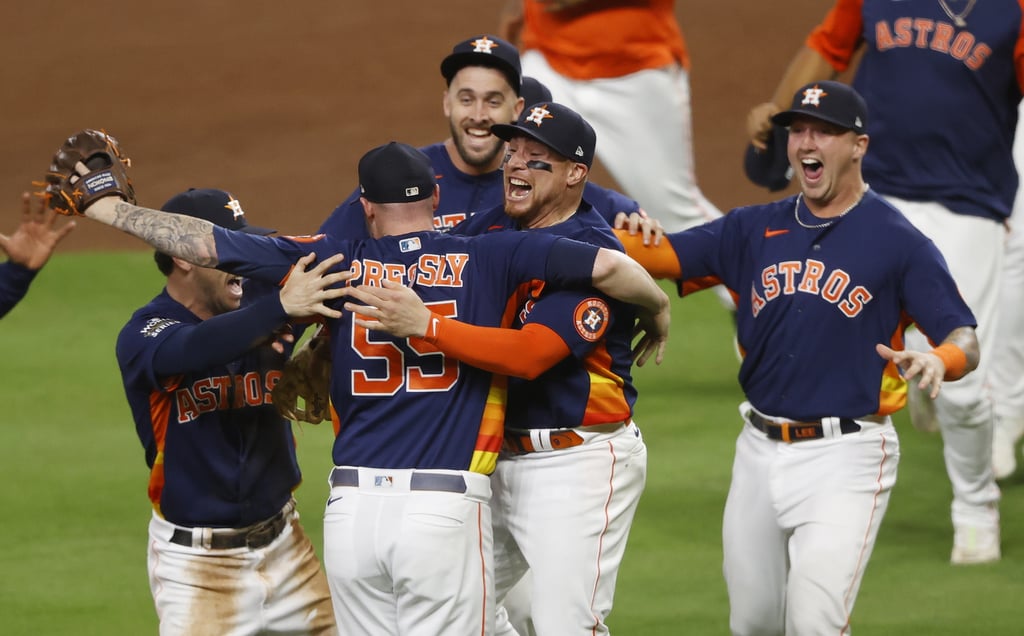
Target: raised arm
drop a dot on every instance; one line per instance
(179, 235)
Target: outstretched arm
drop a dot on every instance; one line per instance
(957, 356)
(179, 235)
(28, 250)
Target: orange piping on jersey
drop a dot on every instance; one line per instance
(606, 402)
(1018, 50)
(838, 36)
(893, 390)
(159, 416)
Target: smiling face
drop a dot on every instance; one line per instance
(826, 159)
(541, 186)
(477, 97)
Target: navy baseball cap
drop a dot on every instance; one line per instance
(396, 173)
(485, 50)
(559, 127)
(216, 206)
(834, 102)
(534, 92)
(769, 168)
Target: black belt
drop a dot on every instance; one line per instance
(258, 535)
(798, 431)
(420, 480)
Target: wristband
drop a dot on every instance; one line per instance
(954, 358)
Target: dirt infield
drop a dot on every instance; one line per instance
(277, 101)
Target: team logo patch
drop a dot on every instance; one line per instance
(99, 182)
(484, 45)
(813, 95)
(409, 244)
(412, 191)
(154, 326)
(591, 319)
(538, 114)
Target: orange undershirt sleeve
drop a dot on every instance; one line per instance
(522, 353)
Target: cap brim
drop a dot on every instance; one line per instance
(769, 168)
(507, 131)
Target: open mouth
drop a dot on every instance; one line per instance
(518, 189)
(235, 286)
(812, 168)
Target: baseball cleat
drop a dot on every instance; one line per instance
(1005, 436)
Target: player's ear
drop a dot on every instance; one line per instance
(518, 110)
(445, 105)
(577, 174)
(860, 147)
(437, 195)
(183, 264)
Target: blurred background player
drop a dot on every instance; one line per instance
(227, 553)
(1007, 370)
(624, 67)
(483, 85)
(943, 80)
(27, 250)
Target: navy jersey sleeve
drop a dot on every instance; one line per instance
(931, 296)
(269, 258)
(14, 282)
(348, 220)
(607, 202)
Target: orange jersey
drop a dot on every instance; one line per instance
(605, 38)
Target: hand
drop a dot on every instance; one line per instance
(759, 124)
(653, 331)
(911, 363)
(282, 339)
(510, 21)
(35, 239)
(651, 229)
(392, 308)
(305, 292)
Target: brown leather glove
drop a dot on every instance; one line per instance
(88, 166)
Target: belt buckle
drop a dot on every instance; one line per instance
(261, 536)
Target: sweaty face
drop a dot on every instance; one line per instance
(536, 182)
(217, 291)
(477, 98)
(825, 158)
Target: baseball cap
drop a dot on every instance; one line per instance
(534, 91)
(216, 206)
(559, 127)
(485, 50)
(396, 173)
(834, 102)
(769, 168)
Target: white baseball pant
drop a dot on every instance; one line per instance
(276, 589)
(799, 526)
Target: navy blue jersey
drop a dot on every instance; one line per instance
(813, 303)
(14, 282)
(399, 402)
(463, 195)
(218, 452)
(942, 99)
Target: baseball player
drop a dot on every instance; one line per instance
(1007, 370)
(821, 327)
(226, 551)
(569, 413)
(624, 67)
(944, 79)
(483, 78)
(27, 251)
(407, 526)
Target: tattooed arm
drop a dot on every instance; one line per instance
(178, 235)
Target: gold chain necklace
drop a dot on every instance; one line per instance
(796, 212)
(959, 19)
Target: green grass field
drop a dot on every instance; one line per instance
(73, 486)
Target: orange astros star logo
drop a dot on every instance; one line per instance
(538, 114)
(813, 95)
(484, 45)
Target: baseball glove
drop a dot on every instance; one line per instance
(87, 167)
(306, 375)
